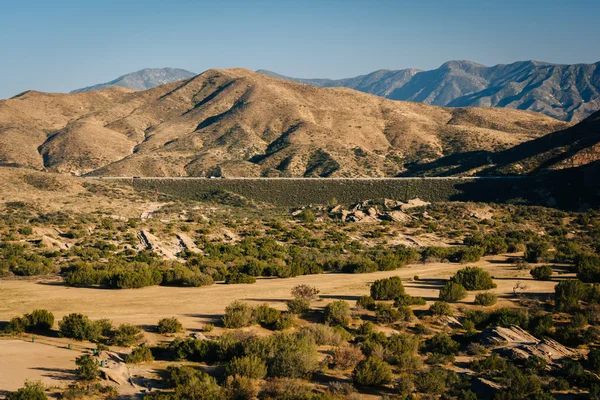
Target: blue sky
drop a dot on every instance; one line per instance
(62, 45)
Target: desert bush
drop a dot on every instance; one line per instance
(285, 321)
(322, 335)
(372, 372)
(470, 254)
(387, 288)
(441, 343)
(568, 294)
(337, 313)
(452, 292)
(345, 357)
(366, 328)
(126, 335)
(407, 300)
(432, 381)
(237, 315)
(298, 306)
(87, 367)
(137, 275)
(486, 299)
(79, 327)
(441, 308)
(541, 273)
(36, 321)
(365, 302)
(139, 355)
(305, 292)
(30, 391)
(537, 251)
(473, 278)
(249, 366)
(240, 388)
(237, 278)
(169, 325)
(285, 389)
(266, 316)
(293, 357)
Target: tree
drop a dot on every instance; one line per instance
(568, 293)
(536, 252)
(87, 367)
(473, 278)
(39, 320)
(337, 313)
(542, 273)
(305, 292)
(79, 327)
(387, 288)
(169, 325)
(452, 292)
(372, 371)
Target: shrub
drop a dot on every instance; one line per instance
(441, 308)
(470, 254)
(79, 327)
(365, 302)
(237, 315)
(346, 357)
(337, 313)
(305, 292)
(240, 388)
(285, 389)
(169, 325)
(266, 316)
(285, 321)
(249, 366)
(298, 306)
(126, 335)
(87, 367)
(367, 328)
(237, 278)
(30, 391)
(442, 344)
(407, 300)
(39, 320)
(486, 299)
(432, 381)
(322, 335)
(568, 293)
(542, 273)
(387, 289)
(536, 252)
(452, 292)
(372, 372)
(139, 355)
(293, 357)
(473, 278)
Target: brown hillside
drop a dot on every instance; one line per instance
(240, 123)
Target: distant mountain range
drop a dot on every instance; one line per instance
(566, 92)
(144, 79)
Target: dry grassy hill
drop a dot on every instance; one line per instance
(240, 123)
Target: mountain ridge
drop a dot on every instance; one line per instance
(569, 92)
(143, 79)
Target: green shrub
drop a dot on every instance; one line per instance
(473, 278)
(240, 387)
(285, 321)
(169, 325)
(432, 381)
(372, 372)
(470, 254)
(306, 292)
(407, 300)
(568, 294)
(536, 252)
(542, 273)
(139, 355)
(249, 366)
(285, 389)
(266, 316)
(337, 313)
(236, 278)
(442, 344)
(298, 306)
(293, 357)
(37, 321)
(452, 292)
(237, 315)
(387, 288)
(345, 357)
(79, 327)
(365, 302)
(441, 308)
(126, 335)
(30, 391)
(486, 299)
(87, 367)
(323, 335)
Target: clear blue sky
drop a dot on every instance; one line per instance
(59, 45)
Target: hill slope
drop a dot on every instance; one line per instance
(240, 123)
(574, 147)
(144, 79)
(565, 92)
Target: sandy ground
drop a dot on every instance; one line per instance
(197, 306)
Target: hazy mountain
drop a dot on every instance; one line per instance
(565, 92)
(144, 79)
